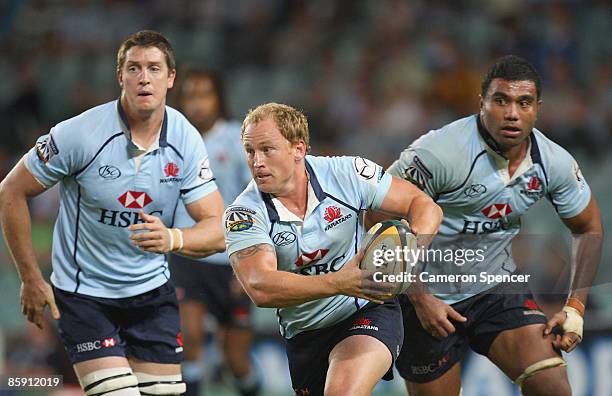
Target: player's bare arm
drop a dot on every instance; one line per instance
(587, 233)
(405, 200)
(36, 293)
(256, 269)
(202, 239)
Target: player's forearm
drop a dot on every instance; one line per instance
(17, 230)
(587, 252)
(424, 216)
(203, 239)
(278, 289)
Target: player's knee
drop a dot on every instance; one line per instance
(116, 381)
(339, 387)
(547, 377)
(158, 385)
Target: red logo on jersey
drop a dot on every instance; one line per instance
(135, 199)
(332, 213)
(171, 170)
(496, 211)
(109, 342)
(531, 304)
(309, 258)
(362, 322)
(179, 338)
(534, 184)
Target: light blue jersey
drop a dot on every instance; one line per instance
(228, 162)
(328, 237)
(105, 179)
(460, 168)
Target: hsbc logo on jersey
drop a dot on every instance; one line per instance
(134, 199)
(310, 263)
(497, 211)
(333, 216)
(310, 258)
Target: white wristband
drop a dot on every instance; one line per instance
(176, 239)
(574, 321)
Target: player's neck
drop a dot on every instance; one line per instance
(515, 155)
(295, 197)
(144, 126)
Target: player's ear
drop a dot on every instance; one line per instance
(120, 77)
(299, 150)
(171, 77)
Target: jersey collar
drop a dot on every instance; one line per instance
(501, 162)
(125, 127)
(278, 212)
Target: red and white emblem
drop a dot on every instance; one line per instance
(534, 185)
(135, 199)
(496, 211)
(171, 170)
(308, 258)
(332, 213)
(108, 343)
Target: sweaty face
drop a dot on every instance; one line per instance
(145, 79)
(509, 111)
(199, 101)
(270, 156)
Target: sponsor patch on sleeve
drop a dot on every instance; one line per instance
(204, 171)
(368, 170)
(239, 219)
(417, 173)
(580, 182)
(46, 148)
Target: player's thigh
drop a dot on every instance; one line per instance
(158, 378)
(449, 384)
(192, 313)
(356, 364)
(516, 349)
(142, 366)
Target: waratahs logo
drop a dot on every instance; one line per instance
(333, 216)
(171, 170)
(332, 213)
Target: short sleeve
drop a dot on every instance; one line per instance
(199, 179)
(420, 167)
(55, 156)
(244, 227)
(370, 180)
(568, 190)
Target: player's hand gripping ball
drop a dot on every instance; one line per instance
(390, 248)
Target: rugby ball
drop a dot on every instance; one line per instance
(390, 248)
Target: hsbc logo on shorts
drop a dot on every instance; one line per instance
(135, 199)
(95, 345)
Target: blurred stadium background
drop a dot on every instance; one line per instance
(370, 75)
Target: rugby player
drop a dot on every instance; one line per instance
(293, 238)
(123, 167)
(209, 284)
(485, 171)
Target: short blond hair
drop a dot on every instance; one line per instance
(291, 123)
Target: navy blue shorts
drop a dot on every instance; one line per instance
(425, 358)
(209, 284)
(146, 326)
(308, 352)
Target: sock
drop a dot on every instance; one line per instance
(248, 385)
(193, 372)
